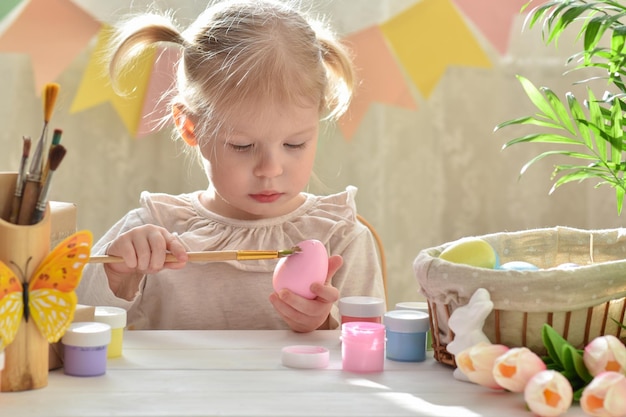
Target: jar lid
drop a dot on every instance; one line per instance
(113, 316)
(305, 356)
(361, 306)
(87, 334)
(359, 328)
(413, 305)
(406, 321)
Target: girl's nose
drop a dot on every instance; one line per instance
(268, 165)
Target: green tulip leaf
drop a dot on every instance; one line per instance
(553, 343)
(575, 363)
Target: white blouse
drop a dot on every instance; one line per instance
(234, 294)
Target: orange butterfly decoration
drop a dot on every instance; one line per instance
(49, 297)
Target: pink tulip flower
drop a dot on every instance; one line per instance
(605, 396)
(476, 363)
(605, 353)
(514, 368)
(548, 394)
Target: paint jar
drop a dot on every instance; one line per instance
(361, 308)
(362, 346)
(406, 335)
(419, 306)
(85, 348)
(116, 318)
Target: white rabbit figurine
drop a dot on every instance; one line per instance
(467, 323)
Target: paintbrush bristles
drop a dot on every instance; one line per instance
(51, 92)
(56, 156)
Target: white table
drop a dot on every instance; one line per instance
(239, 373)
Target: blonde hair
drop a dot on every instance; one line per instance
(237, 50)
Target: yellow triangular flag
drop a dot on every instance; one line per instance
(429, 37)
(95, 87)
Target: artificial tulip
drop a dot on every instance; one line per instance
(513, 369)
(605, 396)
(477, 362)
(605, 353)
(548, 394)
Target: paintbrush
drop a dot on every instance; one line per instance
(19, 185)
(50, 93)
(56, 139)
(32, 186)
(212, 256)
(55, 157)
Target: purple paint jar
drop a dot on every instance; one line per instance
(85, 348)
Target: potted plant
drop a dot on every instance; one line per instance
(588, 133)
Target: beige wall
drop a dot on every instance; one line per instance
(425, 177)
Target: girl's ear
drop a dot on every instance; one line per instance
(185, 125)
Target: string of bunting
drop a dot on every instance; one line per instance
(416, 42)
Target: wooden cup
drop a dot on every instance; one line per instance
(23, 248)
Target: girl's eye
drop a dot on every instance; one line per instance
(295, 145)
(240, 148)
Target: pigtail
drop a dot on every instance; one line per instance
(341, 75)
(137, 34)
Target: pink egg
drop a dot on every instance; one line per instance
(298, 271)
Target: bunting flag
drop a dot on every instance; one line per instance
(379, 78)
(430, 36)
(95, 87)
(418, 43)
(493, 18)
(52, 32)
(162, 80)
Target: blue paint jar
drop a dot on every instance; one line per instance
(406, 335)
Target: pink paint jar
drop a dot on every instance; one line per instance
(361, 308)
(362, 346)
(85, 348)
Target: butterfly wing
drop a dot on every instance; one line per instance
(11, 305)
(51, 296)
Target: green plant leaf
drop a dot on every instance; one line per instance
(553, 343)
(578, 114)
(559, 109)
(538, 98)
(529, 121)
(543, 138)
(597, 125)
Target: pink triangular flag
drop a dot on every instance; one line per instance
(493, 18)
(52, 32)
(162, 78)
(379, 75)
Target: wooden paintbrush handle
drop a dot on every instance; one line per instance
(30, 195)
(192, 257)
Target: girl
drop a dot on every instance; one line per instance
(254, 80)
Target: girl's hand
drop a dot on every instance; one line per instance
(143, 250)
(302, 314)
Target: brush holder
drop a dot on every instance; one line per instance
(23, 248)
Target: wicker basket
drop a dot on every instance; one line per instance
(580, 303)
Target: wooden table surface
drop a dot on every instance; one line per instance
(239, 373)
